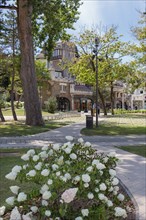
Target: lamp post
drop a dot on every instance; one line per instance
(96, 71)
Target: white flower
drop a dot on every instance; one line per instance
(34, 209)
(1, 218)
(121, 197)
(90, 195)
(28, 216)
(101, 196)
(86, 178)
(79, 218)
(56, 147)
(15, 214)
(44, 188)
(44, 203)
(109, 203)
(73, 156)
(25, 166)
(115, 181)
(2, 210)
(100, 166)
(69, 195)
(60, 160)
(16, 169)
(69, 138)
(86, 185)
(21, 197)
(38, 166)
(87, 144)
(77, 178)
(25, 157)
(112, 172)
(102, 187)
(116, 188)
(45, 172)
(67, 150)
(45, 148)
(50, 153)
(50, 182)
(47, 213)
(43, 155)
(89, 169)
(95, 162)
(35, 158)
(55, 166)
(58, 173)
(10, 200)
(105, 159)
(67, 176)
(31, 152)
(31, 173)
(85, 212)
(112, 154)
(46, 195)
(14, 189)
(96, 190)
(11, 176)
(80, 140)
(111, 189)
(67, 162)
(63, 178)
(120, 212)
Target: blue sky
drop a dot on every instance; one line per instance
(122, 13)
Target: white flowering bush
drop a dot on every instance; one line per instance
(69, 181)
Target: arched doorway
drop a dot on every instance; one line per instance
(63, 104)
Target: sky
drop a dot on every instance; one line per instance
(122, 13)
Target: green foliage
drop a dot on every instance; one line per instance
(72, 179)
(54, 18)
(51, 104)
(2, 100)
(42, 72)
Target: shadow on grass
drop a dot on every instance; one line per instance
(20, 129)
(139, 150)
(111, 129)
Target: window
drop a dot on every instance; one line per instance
(57, 53)
(58, 74)
(63, 87)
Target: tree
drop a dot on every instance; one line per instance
(43, 75)
(10, 44)
(110, 53)
(50, 21)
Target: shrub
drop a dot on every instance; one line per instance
(69, 181)
(51, 105)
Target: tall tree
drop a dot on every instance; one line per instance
(50, 20)
(110, 53)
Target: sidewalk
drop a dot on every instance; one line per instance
(132, 171)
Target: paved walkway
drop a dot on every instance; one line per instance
(132, 171)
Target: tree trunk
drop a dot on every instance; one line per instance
(13, 78)
(111, 96)
(27, 71)
(102, 101)
(1, 115)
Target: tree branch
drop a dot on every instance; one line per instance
(11, 7)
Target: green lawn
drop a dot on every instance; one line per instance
(139, 150)
(118, 125)
(20, 112)
(7, 162)
(114, 130)
(19, 129)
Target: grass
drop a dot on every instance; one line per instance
(19, 129)
(20, 112)
(139, 150)
(114, 130)
(6, 164)
(118, 125)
